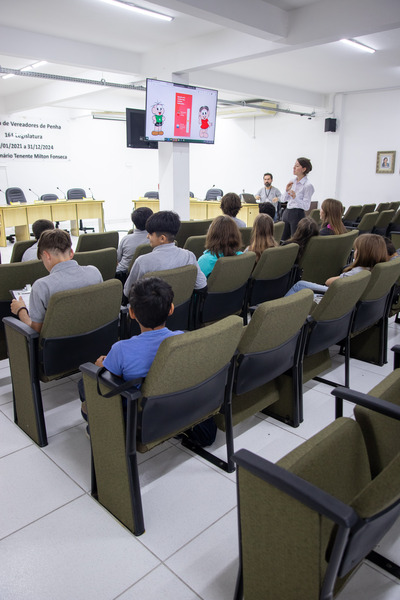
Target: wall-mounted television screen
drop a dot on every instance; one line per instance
(135, 129)
(180, 113)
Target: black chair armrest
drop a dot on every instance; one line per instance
(21, 327)
(396, 360)
(112, 381)
(377, 404)
(300, 489)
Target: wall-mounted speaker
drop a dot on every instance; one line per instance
(330, 125)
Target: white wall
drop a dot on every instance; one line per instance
(370, 123)
(245, 148)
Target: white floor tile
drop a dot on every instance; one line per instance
(70, 450)
(160, 583)
(35, 486)
(12, 438)
(78, 552)
(369, 584)
(209, 564)
(181, 497)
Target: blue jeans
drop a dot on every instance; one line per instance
(307, 285)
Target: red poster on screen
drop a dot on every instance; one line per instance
(183, 114)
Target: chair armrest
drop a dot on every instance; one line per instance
(377, 404)
(298, 488)
(21, 327)
(396, 361)
(112, 381)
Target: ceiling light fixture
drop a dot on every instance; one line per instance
(8, 76)
(138, 9)
(358, 45)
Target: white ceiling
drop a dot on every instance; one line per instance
(283, 50)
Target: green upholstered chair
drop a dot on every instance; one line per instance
(366, 208)
(79, 325)
(351, 214)
(369, 329)
(366, 224)
(226, 288)
(306, 522)
(245, 232)
(19, 249)
(182, 280)
(394, 206)
(315, 214)
(383, 222)
(272, 276)
(278, 230)
(382, 206)
(330, 323)
(189, 381)
(15, 276)
(326, 256)
(97, 241)
(139, 251)
(394, 225)
(105, 260)
(270, 345)
(196, 244)
(190, 228)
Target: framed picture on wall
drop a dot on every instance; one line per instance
(385, 162)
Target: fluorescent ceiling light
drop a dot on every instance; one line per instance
(138, 9)
(8, 76)
(358, 45)
(27, 68)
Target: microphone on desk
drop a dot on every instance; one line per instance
(91, 193)
(37, 195)
(61, 192)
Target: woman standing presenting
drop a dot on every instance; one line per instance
(298, 196)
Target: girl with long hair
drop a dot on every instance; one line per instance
(223, 239)
(262, 235)
(369, 250)
(331, 212)
(306, 229)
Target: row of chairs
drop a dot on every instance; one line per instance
(16, 194)
(193, 377)
(85, 243)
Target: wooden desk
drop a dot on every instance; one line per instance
(22, 215)
(202, 209)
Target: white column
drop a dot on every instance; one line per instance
(173, 169)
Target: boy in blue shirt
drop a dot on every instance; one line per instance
(150, 304)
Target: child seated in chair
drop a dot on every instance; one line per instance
(130, 242)
(151, 302)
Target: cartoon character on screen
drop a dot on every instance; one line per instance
(158, 118)
(204, 113)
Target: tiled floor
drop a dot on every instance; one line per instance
(57, 543)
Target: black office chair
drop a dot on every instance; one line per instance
(49, 197)
(151, 195)
(214, 193)
(78, 194)
(14, 194)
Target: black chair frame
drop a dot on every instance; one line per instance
(57, 355)
(158, 417)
